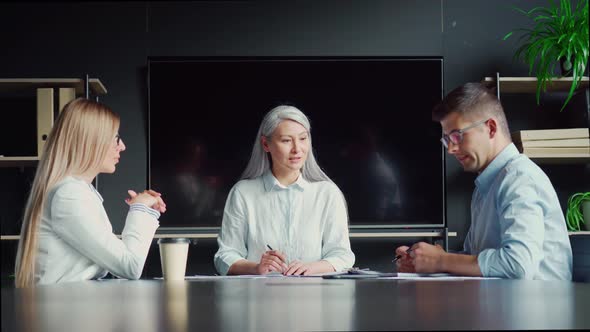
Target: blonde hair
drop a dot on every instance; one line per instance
(78, 142)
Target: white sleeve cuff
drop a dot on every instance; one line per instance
(144, 208)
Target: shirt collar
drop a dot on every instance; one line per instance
(485, 178)
(271, 183)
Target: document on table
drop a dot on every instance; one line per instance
(244, 276)
(368, 274)
(431, 276)
(248, 276)
(352, 274)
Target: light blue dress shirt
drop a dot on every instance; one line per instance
(518, 229)
(307, 221)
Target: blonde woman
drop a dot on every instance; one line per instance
(285, 215)
(66, 234)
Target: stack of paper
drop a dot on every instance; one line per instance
(554, 143)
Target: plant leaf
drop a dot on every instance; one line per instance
(558, 30)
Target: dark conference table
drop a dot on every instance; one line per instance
(297, 304)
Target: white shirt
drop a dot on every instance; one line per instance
(307, 221)
(76, 240)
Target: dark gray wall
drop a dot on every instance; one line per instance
(112, 41)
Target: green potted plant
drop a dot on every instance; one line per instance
(559, 36)
(578, 211)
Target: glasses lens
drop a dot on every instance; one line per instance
(456, 137)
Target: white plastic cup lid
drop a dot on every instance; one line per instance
(174, 240)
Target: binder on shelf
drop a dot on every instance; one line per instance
(44, 116)
(550, 134)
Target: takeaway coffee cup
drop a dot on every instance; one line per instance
(173, 255)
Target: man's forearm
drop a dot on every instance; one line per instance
(465, 265)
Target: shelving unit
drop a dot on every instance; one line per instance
(50, 93)
(79, 85)
(529, 85)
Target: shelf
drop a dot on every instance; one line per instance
(579, 233)
(352, 235)
(12, 85)
(50, 94)
(529, 84)
(18, 161)
(507, 84)
(561, 160)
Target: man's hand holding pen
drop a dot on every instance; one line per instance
(403, 261)
(421, 257)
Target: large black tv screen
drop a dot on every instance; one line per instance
(371, 130)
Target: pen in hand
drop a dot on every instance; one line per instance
(282, 260)
(400, 256)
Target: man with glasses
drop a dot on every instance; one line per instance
(517, 225)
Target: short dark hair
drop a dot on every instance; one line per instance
(472, 99)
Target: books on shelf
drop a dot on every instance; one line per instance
(554, 143)
(549, 134)
(557, 152)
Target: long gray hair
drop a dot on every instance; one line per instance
(259, 160)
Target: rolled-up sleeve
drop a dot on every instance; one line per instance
(232, 238)
(522, 233)
(336, 241)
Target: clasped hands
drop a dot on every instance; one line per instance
(275, 261)
(422, 258)
(148, 197)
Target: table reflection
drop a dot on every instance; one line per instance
(293, 304)
(176, 301)
(296, 304)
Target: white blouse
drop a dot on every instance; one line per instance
(307, 221)
(76, 240)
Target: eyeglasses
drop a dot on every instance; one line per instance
(456, 136)
(118, 138)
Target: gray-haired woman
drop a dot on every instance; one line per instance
(285, 215)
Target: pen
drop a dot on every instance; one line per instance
(400, 256)
(270, 248)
